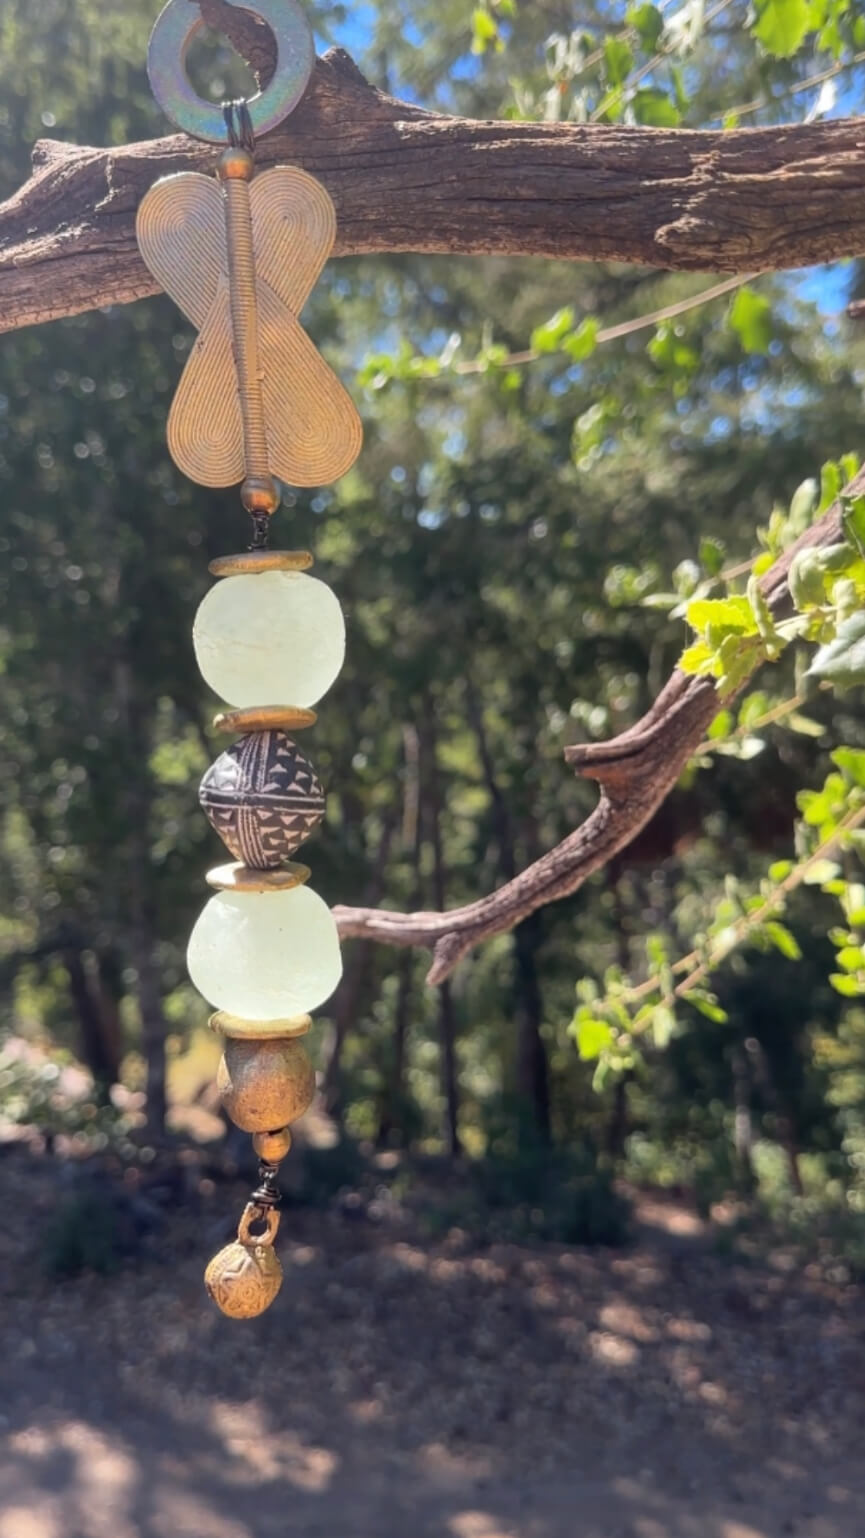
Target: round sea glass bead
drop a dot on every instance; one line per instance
(267, 955)
(275, 638)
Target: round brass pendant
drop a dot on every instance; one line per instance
(244, 1279)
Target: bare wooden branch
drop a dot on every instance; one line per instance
(407, 180)
(636, 772)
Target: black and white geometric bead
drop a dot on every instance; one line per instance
(263, 798)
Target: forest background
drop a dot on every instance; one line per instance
(552, 480)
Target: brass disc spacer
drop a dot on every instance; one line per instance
(246, 878)
(251, 562)
(265, 718)
(265, 1084)
(235, 164)
(236, 1029)
(272, 1147)
(260, 494)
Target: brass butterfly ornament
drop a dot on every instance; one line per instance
(256, 406)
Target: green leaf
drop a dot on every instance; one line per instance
(780, 870)
(821, 871)
(698, 659)
(851, 958)
(647, 22)
(751, 319)
(593, 1037)
(842, 661)
(582, 342)
(852, 763)
(721, 726)
(853, 521)
(484, 30)
(654, 109)
(723, 615)
(804, 725)
(618, 60)
(783, 940)
(782, 26)
(764, 619)
(663, 1025)
(803, 504)
(708, 1005)
(549, 336)
(806, 579)
(831, 481)
(711, 555)
(848, 986)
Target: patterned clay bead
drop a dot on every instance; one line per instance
(263, 798)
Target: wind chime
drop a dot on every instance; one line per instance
(256, 405)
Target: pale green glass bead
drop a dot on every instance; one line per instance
(273, 638)
(265, 955)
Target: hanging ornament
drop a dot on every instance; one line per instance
(256, 405)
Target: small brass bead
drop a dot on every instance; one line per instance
(272, 1147)
(260, 494)
(265, 1084)
(243, 1279)
(235, 165)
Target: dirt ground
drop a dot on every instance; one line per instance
(401, 1389)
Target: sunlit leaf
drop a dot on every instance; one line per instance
(782, 25)
(843, 660)
(751, 319)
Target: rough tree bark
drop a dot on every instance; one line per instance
(404, 179)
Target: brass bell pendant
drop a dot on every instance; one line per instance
(244, 1278)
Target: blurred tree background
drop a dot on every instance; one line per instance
(534, 504)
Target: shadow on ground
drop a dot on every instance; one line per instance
(403, 1390)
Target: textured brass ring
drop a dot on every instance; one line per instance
(224, 1024)
(245, 878)
(175, 28)
(251, 562)
(265, 718)
(252, 1213)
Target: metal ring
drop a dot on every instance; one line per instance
(172, 34)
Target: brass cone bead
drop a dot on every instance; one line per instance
(272, 1147)
(265, 1084)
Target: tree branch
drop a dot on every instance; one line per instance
(636, 772)
(404, 179)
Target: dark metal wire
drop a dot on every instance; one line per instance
(260, 530)
(238, 125)
(267, 1193)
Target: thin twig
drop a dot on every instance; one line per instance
(624, 328)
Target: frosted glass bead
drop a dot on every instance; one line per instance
(266, 955)
(277, 638)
